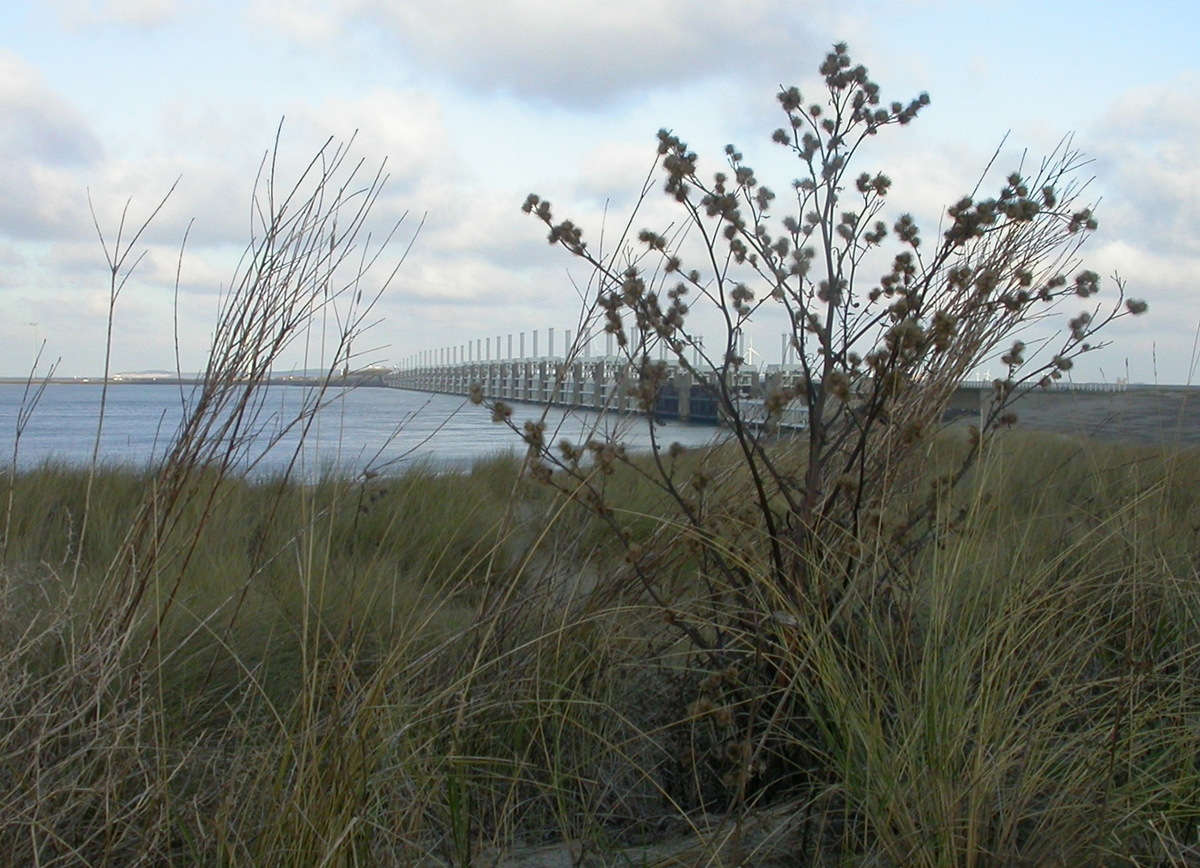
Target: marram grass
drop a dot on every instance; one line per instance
(439, 669)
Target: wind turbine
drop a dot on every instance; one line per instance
(751, 353)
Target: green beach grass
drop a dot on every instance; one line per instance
(446, 668)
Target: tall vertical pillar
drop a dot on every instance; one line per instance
(683, 388)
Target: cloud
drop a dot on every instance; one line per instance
(308, 22)
(1149, 217)
(616, 172)
(214, 158)
(1146, 163)
(35, 123)
(137, 14)
(1166, 280)
(584, 54)
(43, 142)
(405, 126)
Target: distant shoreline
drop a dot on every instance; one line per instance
(360, 379)
(375, 377)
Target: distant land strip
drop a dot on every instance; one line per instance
(369, 377)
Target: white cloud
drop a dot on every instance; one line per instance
(35, 123)
(475, 103)
(1150, 219)
(406, 127)
(1147, 159)
(43, 143)
(139, 14)
(614, 172)
(1166, 280)
(584, 54)
(308, 22)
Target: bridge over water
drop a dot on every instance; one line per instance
(600, 383)
(581, 380)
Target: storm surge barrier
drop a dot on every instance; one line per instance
(607, 383)
(613, 382)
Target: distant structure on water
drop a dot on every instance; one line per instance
(609, 382)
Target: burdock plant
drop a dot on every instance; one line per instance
(784, 545)
(877, 359)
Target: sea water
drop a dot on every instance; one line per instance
(361, 430)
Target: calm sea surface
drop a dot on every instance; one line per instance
(361, 429)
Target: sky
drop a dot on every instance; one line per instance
(470, 105)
